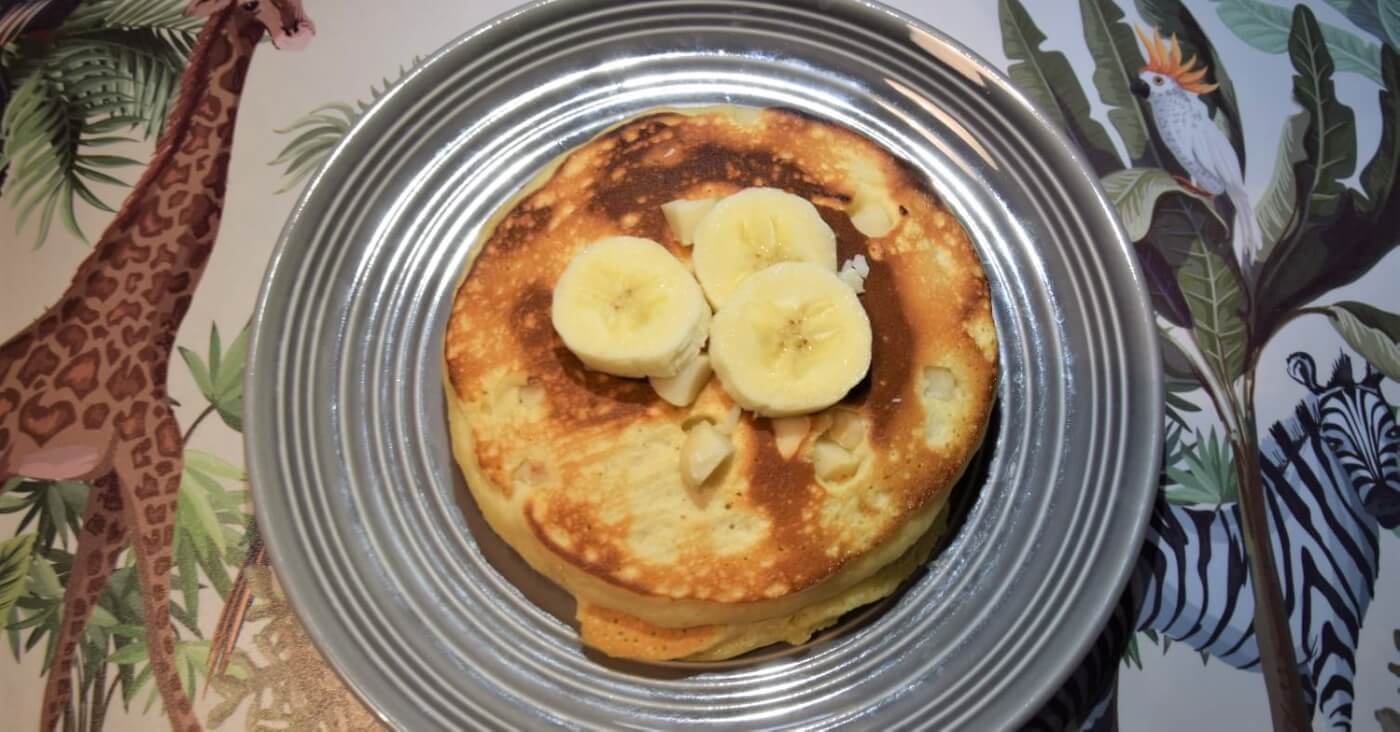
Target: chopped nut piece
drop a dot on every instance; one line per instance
(704, 450)
(731, 420)
(847, 429)
(684, 214)
(854, 272)
(833, 462)
(821, 422)
(789, 432)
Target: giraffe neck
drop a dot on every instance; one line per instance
(155, 250)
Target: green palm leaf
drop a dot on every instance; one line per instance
(43, 130)
(1268, 27)
(1338, 234)
(208, 514)
(14, 569)
(155, 14)
(1372, 332)
(1279, 206)
(1216, 300)
(1135, 192)
(52, 508)
(1117, 60)
(317, 134)
(1048, 79)
(1364, 13)
(115, 65)
(1204, 473)
(145, 67)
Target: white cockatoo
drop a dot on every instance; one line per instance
(1173, 88)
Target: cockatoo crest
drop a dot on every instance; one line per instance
(1173, 89)
(1166, 60)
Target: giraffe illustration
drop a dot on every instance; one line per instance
(83, 389)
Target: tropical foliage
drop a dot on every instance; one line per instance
(105, 76)
(1268, 28)
(212, 528)
(320, 130)
(1217, 314)
(1202, 473)
(220, 377)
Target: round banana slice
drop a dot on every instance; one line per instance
(792, 339)
(626, 307)
(754, 229)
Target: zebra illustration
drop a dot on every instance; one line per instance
(1331, 477)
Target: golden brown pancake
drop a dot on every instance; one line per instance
(579, 470)
(619, 634)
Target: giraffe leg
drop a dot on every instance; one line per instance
(100, 541)
(149, 469)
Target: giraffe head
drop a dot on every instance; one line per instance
(284, 20)
(1358, 426)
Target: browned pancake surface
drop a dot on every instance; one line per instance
(578, 469)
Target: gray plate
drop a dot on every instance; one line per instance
(438, 626)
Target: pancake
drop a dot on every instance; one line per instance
(578, 470)
(619, 634)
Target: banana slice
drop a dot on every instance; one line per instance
(755, 229)
(792, 339)
(626, 307)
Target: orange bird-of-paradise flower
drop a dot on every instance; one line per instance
(1166, 60)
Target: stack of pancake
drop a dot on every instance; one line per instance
(578, 470)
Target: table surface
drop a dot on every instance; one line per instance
(1324, 290)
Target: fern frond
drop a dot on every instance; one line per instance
(144, 67)
(319, 132)
(166, 15)
(116, 66)
(46, 129)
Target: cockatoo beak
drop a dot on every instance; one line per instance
(1140, 88)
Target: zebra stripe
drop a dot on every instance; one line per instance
(1197, 582)
(1316, 470)
(1330, 479)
